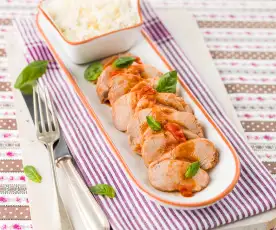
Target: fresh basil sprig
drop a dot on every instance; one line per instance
(153, 124)
(192, 169)
(27, 78)
(32, 174)
(93, 71)
(167, 83)
(123, 62)
(103, 189)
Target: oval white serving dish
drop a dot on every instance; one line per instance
(96, 47)
(223, 177)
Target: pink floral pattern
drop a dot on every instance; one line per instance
(10, 154)
(17, 226)
(3, 199)
(9, 8)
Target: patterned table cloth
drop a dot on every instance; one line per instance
(241, 37)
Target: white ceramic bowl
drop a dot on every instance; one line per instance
(96, 47)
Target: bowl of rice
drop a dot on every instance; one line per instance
(89, 30)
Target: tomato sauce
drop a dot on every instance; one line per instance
(176, 131)
(186, 189)
(146, 90)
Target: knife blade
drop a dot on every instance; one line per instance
(91, 213)
(61, 148)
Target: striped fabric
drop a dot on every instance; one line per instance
(240, 36)
(254, 193)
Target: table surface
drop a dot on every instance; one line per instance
(190, 39)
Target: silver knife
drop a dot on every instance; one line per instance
(92, 215)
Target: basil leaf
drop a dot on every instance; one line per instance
(123, 62)
(27, 78)
(27, 89)
(93, 71)
(153, 124)
(192, 169)
(167, 83)
(32, 174)
(103, 189)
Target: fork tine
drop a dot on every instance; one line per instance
(46, 102)
(42, 122)
(35, 108)
(51, 107)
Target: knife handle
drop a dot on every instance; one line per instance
(92, 215)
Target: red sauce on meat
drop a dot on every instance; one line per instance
(115, 72)
(187, 189)
(176, 131)
(146, 90)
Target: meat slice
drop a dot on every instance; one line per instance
(108, 61)
(201, 150)
(144, 96)
(121, 84)
(102, 84)
(123, 110)
(124, 107)
(173, 101)
(137, 125)
(136, 128)
(149, 71)
(106, 79)
(168, 175)
(102, 87)
(169, 100)
(187, 120)
(155, 144)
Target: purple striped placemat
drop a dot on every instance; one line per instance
(254, 193)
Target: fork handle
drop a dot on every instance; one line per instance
(92, 215)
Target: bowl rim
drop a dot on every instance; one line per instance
(45, 14)
(163, 201)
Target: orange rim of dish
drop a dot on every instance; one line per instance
(92, 113)
(92, 38)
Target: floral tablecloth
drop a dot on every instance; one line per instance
(241, 37)
(14, 203)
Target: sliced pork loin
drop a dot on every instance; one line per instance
(155, 144)
(187, 120)
(201, 150)
(168, 175)
(121, 84)
(148, 71)
(136, 128)
(105, 81)
(169, 100)
(144, 96)
(138, 124)
(123, 110)
(102, 86)
(174, 101)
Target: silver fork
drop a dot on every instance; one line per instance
(48, 133)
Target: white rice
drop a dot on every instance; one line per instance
(79, 20)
